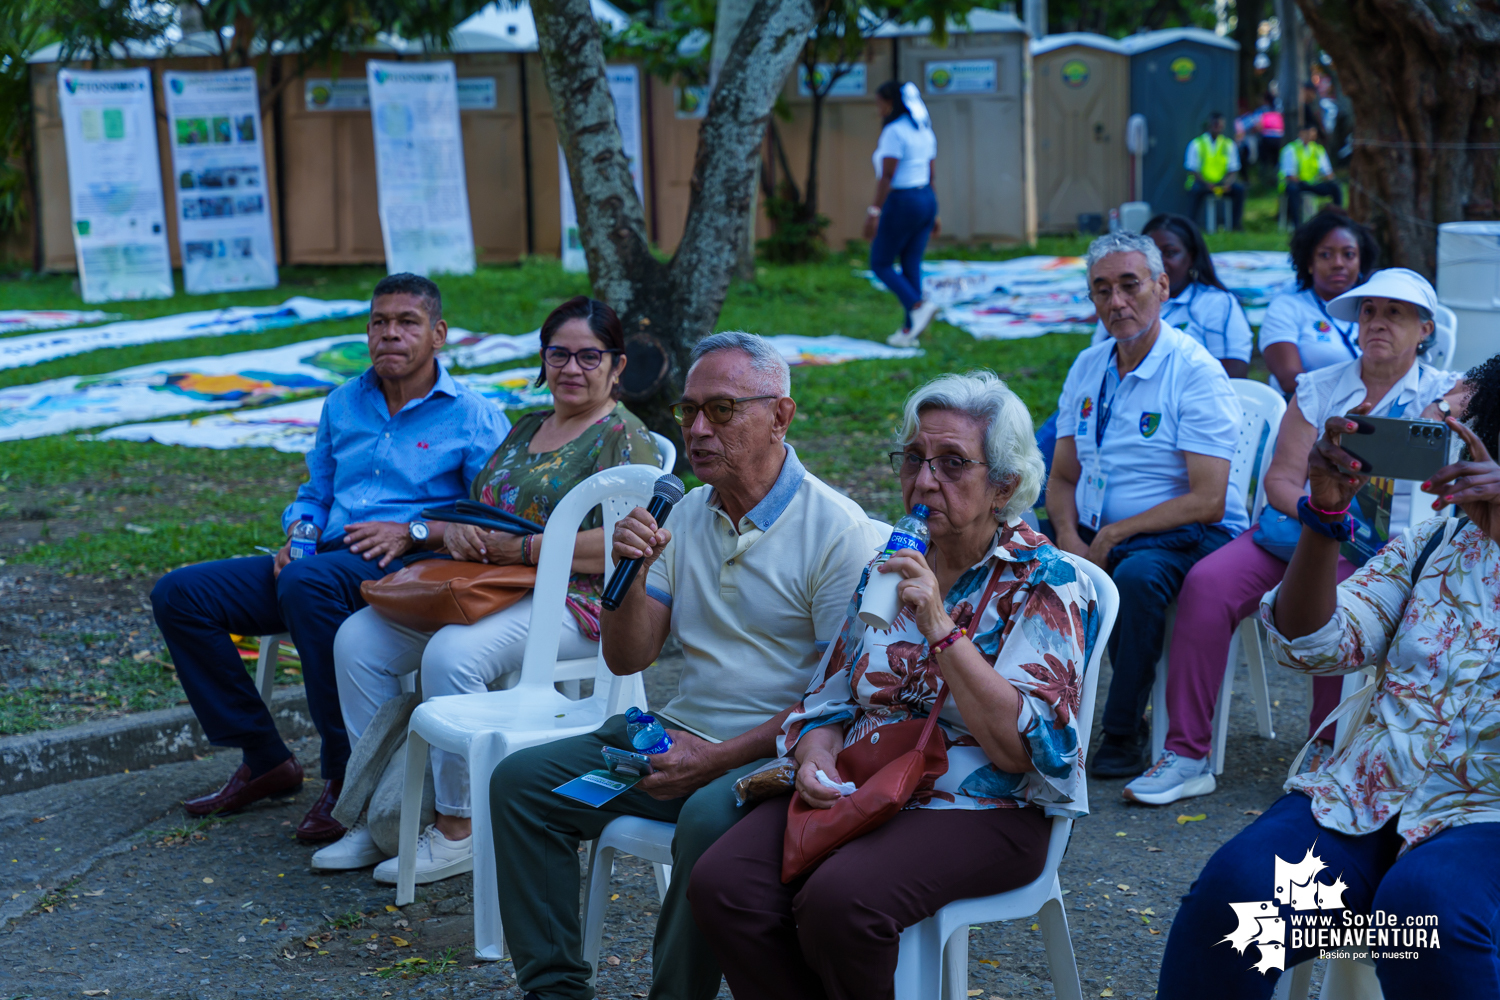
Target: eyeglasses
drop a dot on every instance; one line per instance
(588, 358)
(718, 411)
(945, 468)
(1130, 289)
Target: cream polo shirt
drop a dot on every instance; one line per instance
(754, 608)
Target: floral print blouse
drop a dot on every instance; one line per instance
(1430, 755)
(1038, 630)
(530, 486)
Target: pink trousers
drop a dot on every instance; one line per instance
(1221, 590)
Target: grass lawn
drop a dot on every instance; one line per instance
(110, 514)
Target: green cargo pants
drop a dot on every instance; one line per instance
(537, 833)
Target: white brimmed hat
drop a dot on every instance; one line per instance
(1391, 283)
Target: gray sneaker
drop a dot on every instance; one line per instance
(1171, 778)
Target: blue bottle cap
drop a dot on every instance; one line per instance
(920, 510)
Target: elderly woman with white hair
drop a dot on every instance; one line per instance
(994, 634)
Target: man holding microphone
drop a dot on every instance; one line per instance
(754, 578)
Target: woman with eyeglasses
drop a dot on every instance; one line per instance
(545, 455)
(994, 635)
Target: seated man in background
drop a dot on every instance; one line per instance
(754, 579)
(402, 436)
(1213, 166)
(1305, 169)
(1140, 478)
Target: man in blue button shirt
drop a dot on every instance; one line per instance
(402, 436)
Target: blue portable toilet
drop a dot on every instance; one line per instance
(1178, 77)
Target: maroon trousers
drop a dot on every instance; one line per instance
(835, 933)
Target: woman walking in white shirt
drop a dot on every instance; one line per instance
(903, 215)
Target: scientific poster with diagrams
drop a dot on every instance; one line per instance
(419, 168)
(114, 182)
(219, 171)
(625, 88)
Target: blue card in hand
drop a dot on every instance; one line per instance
(597, 787)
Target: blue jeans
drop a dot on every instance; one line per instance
(906, 221)
(1453, 876)
(197, 607)
(1149, 570)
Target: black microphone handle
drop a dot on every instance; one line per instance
(626, 569)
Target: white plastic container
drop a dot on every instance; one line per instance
(1468, 282)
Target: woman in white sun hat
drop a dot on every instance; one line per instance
(1393, 312)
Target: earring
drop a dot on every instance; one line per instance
(996, 512)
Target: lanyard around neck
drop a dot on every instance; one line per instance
(1344, 334)
(1106, 407)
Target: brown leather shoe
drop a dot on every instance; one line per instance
(319, 825)
(240, 791)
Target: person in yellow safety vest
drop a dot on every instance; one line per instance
(1305, 169)
(1213, 166)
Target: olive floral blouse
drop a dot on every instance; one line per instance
(530, 486)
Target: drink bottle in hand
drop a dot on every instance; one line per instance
(646, 734)
(304, 537)
(880, 605)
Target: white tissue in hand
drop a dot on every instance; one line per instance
(842, 787)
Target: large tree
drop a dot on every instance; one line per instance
(1424, 80)
(666, 305)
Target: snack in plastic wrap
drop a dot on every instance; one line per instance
(767, 781)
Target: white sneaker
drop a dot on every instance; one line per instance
(1171, 778)
(437, 858)
(902, 338)
(355, 849)
(921, 316)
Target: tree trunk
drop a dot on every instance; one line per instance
(1424, 80)
(665, 308)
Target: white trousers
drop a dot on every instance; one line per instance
(371, 654)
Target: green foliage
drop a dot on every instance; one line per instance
(1118, 18)
(23, 30)
(796, 234)
(672, 44)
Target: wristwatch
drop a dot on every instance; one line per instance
(417, 531)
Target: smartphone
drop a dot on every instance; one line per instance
(1397, 448)
(626, 762)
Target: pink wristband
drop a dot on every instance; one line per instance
(1328, 513)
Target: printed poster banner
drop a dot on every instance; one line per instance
(853, 83)
(962, 76)
(18, 320)
(219, 170)
(293, 427)
(31, 349)
(419, 167)
(475, 93)
(624, 87)
(114, 181)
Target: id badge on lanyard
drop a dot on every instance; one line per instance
(1091, 496)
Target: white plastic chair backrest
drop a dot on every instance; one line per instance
(620, 490)
(1108, 597)
(1263, 408)
(666, 449)
(1444, 338)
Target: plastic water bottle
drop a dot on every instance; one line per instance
(880, 605)
(304, 537)
(646, 734)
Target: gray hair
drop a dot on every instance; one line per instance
(1009, 440)
(765, 360)
(1123, 242)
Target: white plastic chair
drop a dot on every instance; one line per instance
(666, 449)
(1213, 206)
(486, 728)
(921, 963)
(1263, 408)
(1343, 979)
(265, 664)
(1444, 338)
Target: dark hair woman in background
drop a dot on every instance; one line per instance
(903, 214)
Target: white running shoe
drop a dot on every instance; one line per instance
(437, 858)
(921, 316)
(355, 849)
(903, 338)
(1171, 778)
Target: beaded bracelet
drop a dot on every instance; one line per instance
(526, 551)
(948, 640)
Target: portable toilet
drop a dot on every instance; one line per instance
(1178, 77)
(977, 88)
(1081, 86)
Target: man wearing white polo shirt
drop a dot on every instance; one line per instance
(1140, 479)
(754, 578)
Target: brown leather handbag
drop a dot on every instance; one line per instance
(888, 766)
(435, 592)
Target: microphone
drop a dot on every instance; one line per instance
(669, 491)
